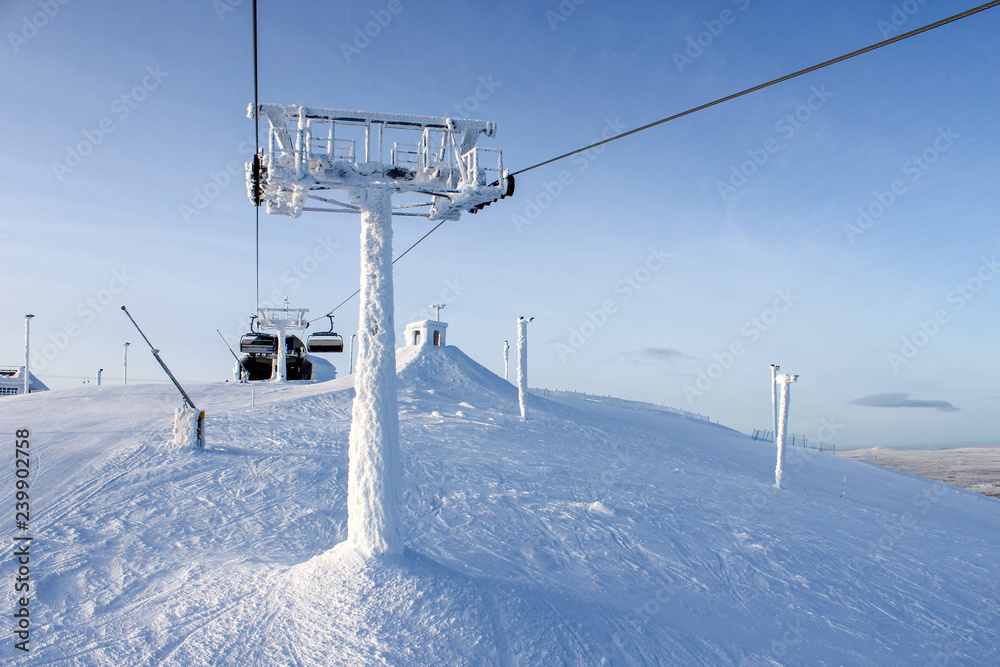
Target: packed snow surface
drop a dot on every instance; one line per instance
(589, 534)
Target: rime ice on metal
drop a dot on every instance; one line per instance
(783, 381)
(312, 150)
(774, 399)
(522, 364)
(372, 156)
(374, 486)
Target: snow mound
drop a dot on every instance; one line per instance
(450, 373)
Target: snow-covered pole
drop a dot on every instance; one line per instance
(27, 350)
(506, 349)
(774, 400)
(783, 382)
(282, 369)
(522, 363)
(99, 371)
(125, 365)
(350, 367)
(437, 310)
(374, 488)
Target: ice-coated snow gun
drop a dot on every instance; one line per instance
(243, 369)
(200, 434)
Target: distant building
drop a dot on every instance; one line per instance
(12, 381)
(425, 332)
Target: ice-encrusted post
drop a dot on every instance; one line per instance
(374, 488)
(783, 382)
(506, 348)
(522, 363)
(27, 353)
(281, 374)
(774, 400)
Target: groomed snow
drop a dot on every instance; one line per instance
(589, 534)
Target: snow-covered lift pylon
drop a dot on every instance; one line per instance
(373, 156)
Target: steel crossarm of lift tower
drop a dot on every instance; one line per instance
(311, 150)
(283, 318)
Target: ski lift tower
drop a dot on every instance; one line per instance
(434, 163)
(283, 320)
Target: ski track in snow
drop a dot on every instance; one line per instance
(587, 534)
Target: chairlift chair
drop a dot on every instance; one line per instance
(325, 342)
(257, 342)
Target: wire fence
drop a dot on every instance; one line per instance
(767, 435)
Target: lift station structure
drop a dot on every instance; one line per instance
(281, 321)
(436, 164)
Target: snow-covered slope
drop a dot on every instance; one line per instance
(587, 534)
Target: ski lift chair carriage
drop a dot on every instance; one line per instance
(261, 353)
(325, 342)
(257, 342)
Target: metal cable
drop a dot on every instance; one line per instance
(256, 150)
(834, 61)
(773, 82)
(433, 229)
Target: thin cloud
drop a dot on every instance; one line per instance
(663, 355)
(901, 400)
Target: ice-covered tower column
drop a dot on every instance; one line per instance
(783, 382)
(433, 163)
(774, 399)
(27, 353)
(522, 364)
(506, 349)
(374, 487)
(281, 374)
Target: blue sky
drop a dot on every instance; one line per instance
(646, 264)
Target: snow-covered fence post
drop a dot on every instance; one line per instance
(375, 475)
(350, 368)
(783, 382)
(506, 348)
(522, 363)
